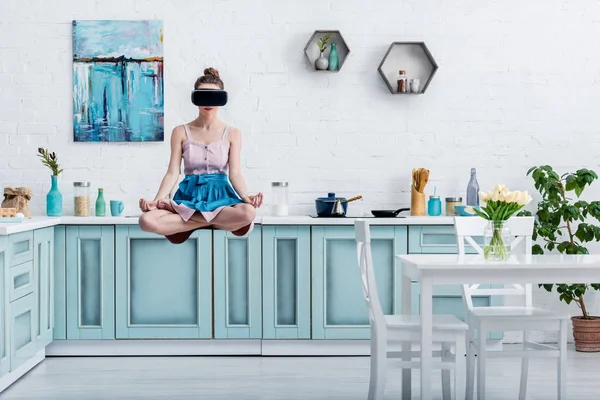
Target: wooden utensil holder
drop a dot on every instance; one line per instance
(417, 203)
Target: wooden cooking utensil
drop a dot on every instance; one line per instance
(353, 199)
(415, 178)
(423, 179)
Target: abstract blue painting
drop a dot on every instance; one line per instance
(118, 90)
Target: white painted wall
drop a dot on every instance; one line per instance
(517, 86)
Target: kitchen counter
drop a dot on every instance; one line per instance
(43, 222)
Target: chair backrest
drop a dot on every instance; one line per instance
(521, 231)
(367, 275)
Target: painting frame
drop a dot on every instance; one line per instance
(118, 81)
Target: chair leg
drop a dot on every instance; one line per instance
(470, 363)
(562, 360)
(446, 392)
(459, 368)
(524, 369)
(406, 372)
(481, 361)
(378, 366)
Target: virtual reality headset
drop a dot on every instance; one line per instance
(209, 97)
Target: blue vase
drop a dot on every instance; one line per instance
(333, 58)
(54, 200)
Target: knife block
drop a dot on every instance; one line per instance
(417, 203)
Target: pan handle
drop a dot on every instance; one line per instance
(353, 198)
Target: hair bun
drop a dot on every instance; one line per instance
(211, 71)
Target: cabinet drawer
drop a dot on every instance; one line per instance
(23, 316)
(20, 281)
(435, 240)
(20, 248)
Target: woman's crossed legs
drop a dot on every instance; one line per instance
(164, 221)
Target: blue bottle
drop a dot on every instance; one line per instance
(333, 58)
(434, 206)
(54, 199)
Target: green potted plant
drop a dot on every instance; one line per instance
(563, 224)
(54, 197)
(322, 62)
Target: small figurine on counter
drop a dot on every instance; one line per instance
(205, 198)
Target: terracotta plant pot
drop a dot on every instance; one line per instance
(586, 333)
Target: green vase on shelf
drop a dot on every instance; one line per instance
(54, 199)
(100, 204)
(333, 58)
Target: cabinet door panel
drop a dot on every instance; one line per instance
(339, 310)
(286, 282)
(163, 290)
(238, 305)
(4, 309)
(90, 282)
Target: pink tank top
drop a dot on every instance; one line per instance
(200, 159)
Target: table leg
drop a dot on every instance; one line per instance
(426, 336)
(406, 346)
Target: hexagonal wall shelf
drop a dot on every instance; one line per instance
(412, 57)
(312, 53)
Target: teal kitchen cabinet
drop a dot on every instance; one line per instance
(447, 299)
(43, 261)
(237, 282)
(435, 240)
(22, 321)
(286, 282)
(60, 283)
(163, 290)
(339, 310)
(4, 307)
(90, 273)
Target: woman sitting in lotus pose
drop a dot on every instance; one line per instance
(210, 150)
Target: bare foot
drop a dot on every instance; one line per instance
(165, 205)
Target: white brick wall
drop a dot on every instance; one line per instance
(517, 86)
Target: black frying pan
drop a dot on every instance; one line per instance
(388, 213)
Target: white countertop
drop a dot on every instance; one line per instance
(43, 222)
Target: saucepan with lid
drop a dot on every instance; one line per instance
(332, 206)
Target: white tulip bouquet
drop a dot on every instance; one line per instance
(500, 205)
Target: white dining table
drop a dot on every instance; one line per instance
(438, 269)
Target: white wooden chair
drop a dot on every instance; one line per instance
(405, 330)
(525, 317)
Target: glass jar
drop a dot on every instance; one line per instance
(497, 239)
(402, 82)
(452, 202)
(83, 204)
(434, 206)
(279, 194)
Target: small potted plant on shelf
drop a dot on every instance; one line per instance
(54, 197)
(562, 224)
(322, 62)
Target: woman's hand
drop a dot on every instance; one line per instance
(254, 200)
(146, 205)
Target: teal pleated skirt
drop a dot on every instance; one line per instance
(207, 193)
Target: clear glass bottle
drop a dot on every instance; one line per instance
(279, 194)
(83, 204)
(100, 204)
(473, 190)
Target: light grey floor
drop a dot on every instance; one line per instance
(310, 378)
